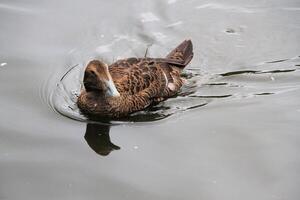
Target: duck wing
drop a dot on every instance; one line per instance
(155, 78)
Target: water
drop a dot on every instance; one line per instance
(232, 133)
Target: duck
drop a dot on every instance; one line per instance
(132, 84)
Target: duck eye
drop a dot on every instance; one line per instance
(92, 72)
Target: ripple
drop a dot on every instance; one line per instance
(148, 17)
(3, 64)
(277, 61)
(257, 72)
(212, 96)
(199, 90)
(64, 98)
(292, 8)
(14, 8)
(265, 93)
(229, 8)
(174, 24)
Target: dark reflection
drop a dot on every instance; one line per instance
(97, 137)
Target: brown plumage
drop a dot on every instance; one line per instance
(132, 84)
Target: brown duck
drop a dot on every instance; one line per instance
(132, 84)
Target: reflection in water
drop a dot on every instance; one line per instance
(97, 137)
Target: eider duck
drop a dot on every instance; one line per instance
(132, 84)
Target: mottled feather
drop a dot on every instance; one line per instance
(140, 82)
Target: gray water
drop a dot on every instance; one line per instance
(232, 133)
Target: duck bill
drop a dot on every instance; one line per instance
(111, 89)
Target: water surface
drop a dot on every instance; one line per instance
(232, 133)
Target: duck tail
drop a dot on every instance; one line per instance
(183, 53)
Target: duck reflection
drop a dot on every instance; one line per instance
(97, 137)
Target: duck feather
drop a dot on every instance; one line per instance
(141, 82)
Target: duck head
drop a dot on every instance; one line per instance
(97, 78)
